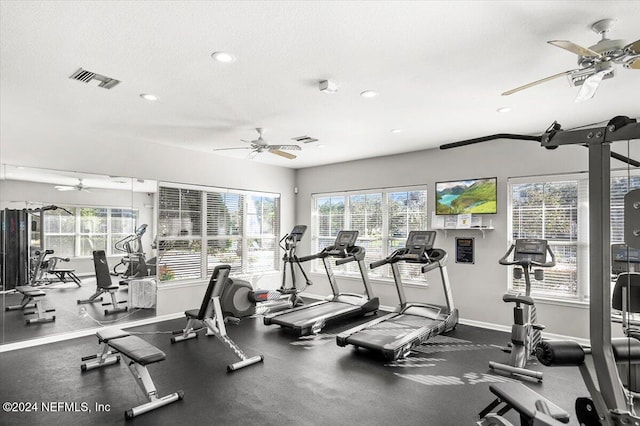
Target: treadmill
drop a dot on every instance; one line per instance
(396, 334)
(311, 318)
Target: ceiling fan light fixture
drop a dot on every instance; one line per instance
(224, 57)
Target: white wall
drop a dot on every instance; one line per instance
(163, 163)
(477, 288)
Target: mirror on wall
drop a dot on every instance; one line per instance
(77, 251)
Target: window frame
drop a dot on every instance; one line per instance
(582, 241)
(78, 233)
(204, 239)
(385, 239)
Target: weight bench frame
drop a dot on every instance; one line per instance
(104, 285)
(31, 300)
(210, 314)
(139, 354)
(533, 408)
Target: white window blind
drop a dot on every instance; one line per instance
(549, 210)
(383, 219)
(179, 233)
(202, 228)
(86, 229)
(556, 208)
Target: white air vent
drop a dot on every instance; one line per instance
(304, 139)
(88, 76)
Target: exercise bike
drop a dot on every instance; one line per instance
(525, 331)
(240, 300)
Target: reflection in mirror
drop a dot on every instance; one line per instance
(76, 251)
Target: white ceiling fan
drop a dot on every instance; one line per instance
(596, 63)
(77, 187)
(260, 145)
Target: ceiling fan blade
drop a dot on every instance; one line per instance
(286, 147)
(635, 65)
(544, 80)
(574, 48)
(633, 48)
(226, 149)
(282, 154)
(590, 85)
(64, 188)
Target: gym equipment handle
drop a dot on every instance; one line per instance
(345, 260)
(378, 263)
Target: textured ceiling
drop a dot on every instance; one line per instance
(439, 67)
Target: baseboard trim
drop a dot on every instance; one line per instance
(82, 333)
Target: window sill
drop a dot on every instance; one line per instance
(382, 281)
(547, 300)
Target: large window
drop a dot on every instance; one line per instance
(556, 209)
(202, 227)
(383, 219)
(73, 231)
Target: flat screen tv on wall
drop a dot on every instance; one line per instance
(477, 196)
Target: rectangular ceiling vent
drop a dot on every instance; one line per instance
(304, 139)
(88, 77)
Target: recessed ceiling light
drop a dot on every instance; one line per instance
(396, 130)
(321, 146)
(148, 97)
(369, 94)
(223, 57)
(504, 109)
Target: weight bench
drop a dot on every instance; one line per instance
(532, 407)
(139, 354)
(210, 314)
(104, 285)
(31, 300)
(62, 274)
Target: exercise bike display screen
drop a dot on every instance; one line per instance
(531, 250)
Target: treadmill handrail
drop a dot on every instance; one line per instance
(392, 258)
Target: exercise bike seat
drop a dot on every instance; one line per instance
(526, 300)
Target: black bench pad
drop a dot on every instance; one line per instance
(107, 334)
(523, 400)
(625, 349)
(30, 291)
(193, 313)
(138, 350)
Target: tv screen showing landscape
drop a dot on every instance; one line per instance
(476, 196)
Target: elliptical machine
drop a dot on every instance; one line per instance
(525, 331)
(135, 261)
(240, 300)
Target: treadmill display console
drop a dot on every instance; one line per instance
(346, 239)
(417, 245)
(531, 250)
